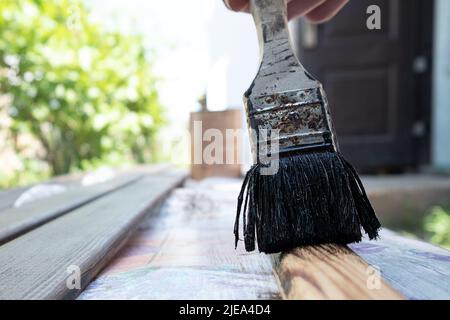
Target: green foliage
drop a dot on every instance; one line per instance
(31, 171)
(85, 93)
(437, 224)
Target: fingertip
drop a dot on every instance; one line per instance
(326, 11)
(236, 5)
(318, 18)
(299, 8)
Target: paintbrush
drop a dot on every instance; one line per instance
(300, 191)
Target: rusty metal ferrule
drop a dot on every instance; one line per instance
(296, 120)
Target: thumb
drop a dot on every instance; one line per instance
(236, 5)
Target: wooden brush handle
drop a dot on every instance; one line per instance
(278, 60)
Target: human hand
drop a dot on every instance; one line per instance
(316, 11)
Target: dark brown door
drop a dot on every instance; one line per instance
(377, 81)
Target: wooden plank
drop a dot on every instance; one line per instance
(35, 265)
(16, 221)
(330, 272)
(414, 269)
(9, 196)
(187, 252)
(189, 246)
(417, 269)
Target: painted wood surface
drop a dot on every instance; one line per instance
(35, 265)
(187, 252)
(415, 268)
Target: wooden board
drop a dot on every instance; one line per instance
(415, 268)
(223, 121)
(187, 252)
(330, 272)
(16, 221)
(9, 196)
(35, 265)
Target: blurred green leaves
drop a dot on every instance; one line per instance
(86, 94)
(437, 224)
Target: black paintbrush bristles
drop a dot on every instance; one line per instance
(314, 198)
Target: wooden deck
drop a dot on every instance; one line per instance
(130, 239)
(43, 247)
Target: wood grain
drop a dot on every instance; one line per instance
(16, 221)
(34, 265)
(9, 196)
(187, 252)
(417, 269)
(329, 272)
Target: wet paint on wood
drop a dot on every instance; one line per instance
(187, 252)
(415, 268)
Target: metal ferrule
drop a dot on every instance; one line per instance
(295, 120)
(286, 106)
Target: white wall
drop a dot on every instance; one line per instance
(233, 53)
(441, 87)
(234, 59)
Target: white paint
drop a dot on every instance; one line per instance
(39, 192)
(441, 87)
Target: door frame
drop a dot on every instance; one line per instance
(424, 46)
